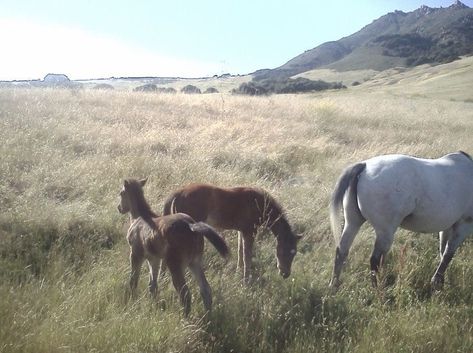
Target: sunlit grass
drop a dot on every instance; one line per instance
(64, 259)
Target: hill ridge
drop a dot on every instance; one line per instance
(425, 35)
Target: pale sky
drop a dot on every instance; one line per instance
(104, 38)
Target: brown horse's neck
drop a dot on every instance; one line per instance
(274, 217)
(141, 208)
(281, 227)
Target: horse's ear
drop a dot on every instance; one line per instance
(143, 182)
(126, 183)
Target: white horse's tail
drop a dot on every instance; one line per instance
(348, 179)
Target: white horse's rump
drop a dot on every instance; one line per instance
(391, 191)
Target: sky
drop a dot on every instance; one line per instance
(113, 38)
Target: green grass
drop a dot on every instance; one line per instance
(64, 259)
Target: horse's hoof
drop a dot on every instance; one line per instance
(334, 285)
(437, 283)
(374, 280)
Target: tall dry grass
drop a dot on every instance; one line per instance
(63, 257)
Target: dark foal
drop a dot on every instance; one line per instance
(176, 240)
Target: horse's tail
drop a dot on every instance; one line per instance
(216, 239)
(348, 179)
(170, 205)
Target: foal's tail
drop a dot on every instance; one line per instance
(348, 179)
(216, 239)
(170, 205)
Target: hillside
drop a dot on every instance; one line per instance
(426, 35)
(450, 81)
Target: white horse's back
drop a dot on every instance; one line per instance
(422, 195)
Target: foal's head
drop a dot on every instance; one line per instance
(131, 196)
(286, 249)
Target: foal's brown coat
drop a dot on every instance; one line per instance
(176, 239)
(240, 208)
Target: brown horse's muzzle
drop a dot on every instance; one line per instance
(284, 274)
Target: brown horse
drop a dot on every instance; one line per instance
(243, 209)
(176, 240)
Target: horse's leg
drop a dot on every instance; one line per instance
(240, 250)
(179, 282)
(443, 238)
(204, 286)
(248, 241)
(162, 269)
(136, 260)
(154, 273)
(458, 232)
(353, 221)
(384, 240)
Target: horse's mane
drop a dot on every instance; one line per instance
(274, 212)
(143, 208)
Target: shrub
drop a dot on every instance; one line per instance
(150, 87)
(251, 89)
(190, 89)
(288, 85)
(166, 90)
(211, 90)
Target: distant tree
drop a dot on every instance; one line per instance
(166, 90)
(150, 87)
(190, 89)
(281, 85)
(211, 90)
(251, 89)
(170, 90)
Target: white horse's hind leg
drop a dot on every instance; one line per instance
(384, 240)
(443, 238)
(458, 232)
(353, 221)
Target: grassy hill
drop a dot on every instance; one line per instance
(451, 81)
(447, 81)
(64, 259)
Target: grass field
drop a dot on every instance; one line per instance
(64, 258)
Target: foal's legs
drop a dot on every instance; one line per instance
(136, 260)
(248, 241)
(205, 290)
(154, 273)
(179, 282)
(240, 250)
(458, 232)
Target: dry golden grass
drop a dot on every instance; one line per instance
(451, 81)
(346, 77)
(62, 160)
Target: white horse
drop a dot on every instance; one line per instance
(391, 191)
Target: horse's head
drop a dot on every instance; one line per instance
(128, 193)
(286, 249)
